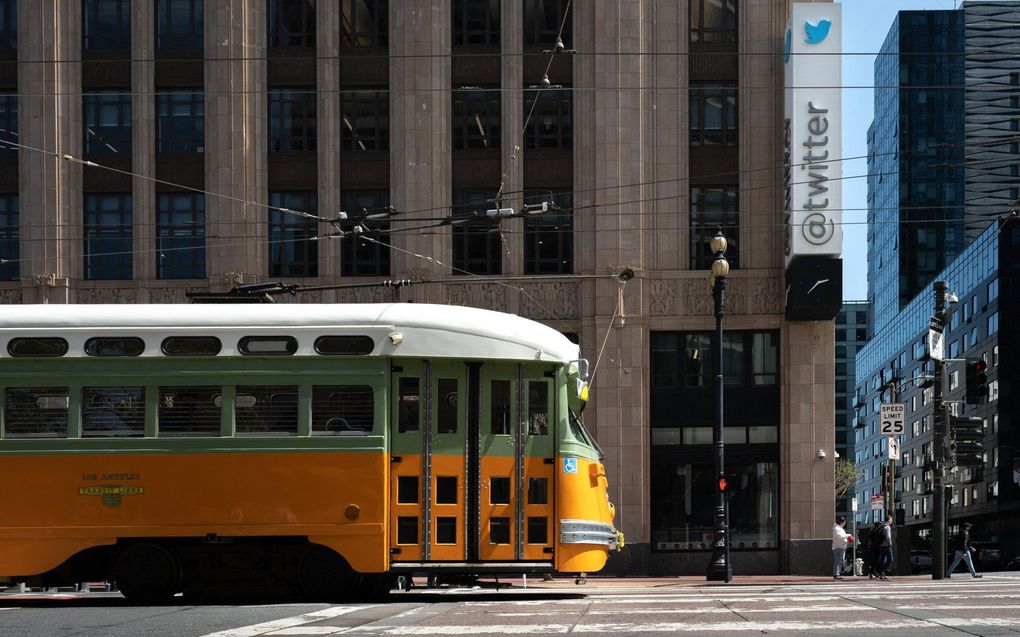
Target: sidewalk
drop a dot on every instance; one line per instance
(600, 582)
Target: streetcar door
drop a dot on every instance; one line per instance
(408, 421)
(427, 465)
(537, 458)
(499, 447)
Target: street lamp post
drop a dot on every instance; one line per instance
(719, 568)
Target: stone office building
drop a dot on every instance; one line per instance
(164, 145)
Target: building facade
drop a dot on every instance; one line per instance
(851, 335)
(165, 147)
(943, 172)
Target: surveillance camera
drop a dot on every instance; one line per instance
(821, 454)
(951, 298)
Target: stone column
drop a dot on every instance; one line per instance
(512, 146)
(143, 145)
(807, 500)
(236, 141)
(327, 38)
(420, 151)
(49, 119)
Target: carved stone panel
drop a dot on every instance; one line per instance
(697, 297)
(488, 296)
(664, 298)
(10, 296)
(107, 295)
(550, 300)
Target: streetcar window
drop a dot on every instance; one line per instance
(407, 489)
(499, 530)
(538, 491)
(446, 490)
(189, 411)
(407, 530)
(113, 411)
(114, 346)
(538, 408)
(191, 346)
(538, 530)
(342, 409)
(446, 530)
(37, 347)
(408, 412)
(267, 345)
(499, 408)
(266, 409)
(36, 412)
(446, 406)
(344, 345)
(499, 490)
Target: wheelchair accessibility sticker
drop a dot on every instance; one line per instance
(570, 465)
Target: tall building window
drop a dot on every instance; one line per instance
(9, 25)
(713, 111)
(107, 123)
(366, 122)
(542, 22)
(180, 122)
(180, 24)
(476, 119)
(549, 237)
(364, 23)
(713, 20)
(551, 123)
(106, 24)
(291, 250)
(8, 124)
(359, 256)
(477, 243)
(291, 23)
(107, 233)
(180, 229)
(714, 208)
(292, 120)
(10, 249)
(475, 23)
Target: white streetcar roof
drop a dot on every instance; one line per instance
(424, 330)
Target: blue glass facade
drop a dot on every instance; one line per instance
(915, 148)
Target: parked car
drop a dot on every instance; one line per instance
(920, 561)
(988, 556)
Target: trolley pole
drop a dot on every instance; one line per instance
(938, 521)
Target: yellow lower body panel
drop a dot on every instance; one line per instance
(63, 504)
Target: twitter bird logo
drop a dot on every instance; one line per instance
(816, 33)
(787, 46)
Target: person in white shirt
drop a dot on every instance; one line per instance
(840, 539)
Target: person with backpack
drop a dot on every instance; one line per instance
(874, 541)
(963, 549)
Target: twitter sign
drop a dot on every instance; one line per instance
(812, 46)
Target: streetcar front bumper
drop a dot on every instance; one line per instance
(590, 532)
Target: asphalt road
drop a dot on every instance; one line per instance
(902, 606)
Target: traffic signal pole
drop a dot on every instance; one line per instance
(939, 421)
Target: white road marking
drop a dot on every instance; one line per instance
(287, 622)
(696, 611)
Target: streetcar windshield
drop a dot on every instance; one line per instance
(580, 432)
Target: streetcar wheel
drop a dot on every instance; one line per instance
(148, 574)
(325, 576)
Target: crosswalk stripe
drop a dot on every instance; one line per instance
(287, 622)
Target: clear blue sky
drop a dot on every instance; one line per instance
(865, 25)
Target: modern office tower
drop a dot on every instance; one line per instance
(943, 175)
(167, 146)
(851, 335)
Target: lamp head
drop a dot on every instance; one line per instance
(719, 242)
(720, 267)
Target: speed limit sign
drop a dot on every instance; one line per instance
(891, 417)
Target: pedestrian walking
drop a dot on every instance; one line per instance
(963, 549)
(840, 539)
(885, 552)
(875, 535)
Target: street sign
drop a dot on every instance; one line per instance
(853, 504)
(894, 448)
(935, 345)
(891, 417)
(877, 502)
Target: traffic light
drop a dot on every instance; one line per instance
(965, 435)
(977, 381)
